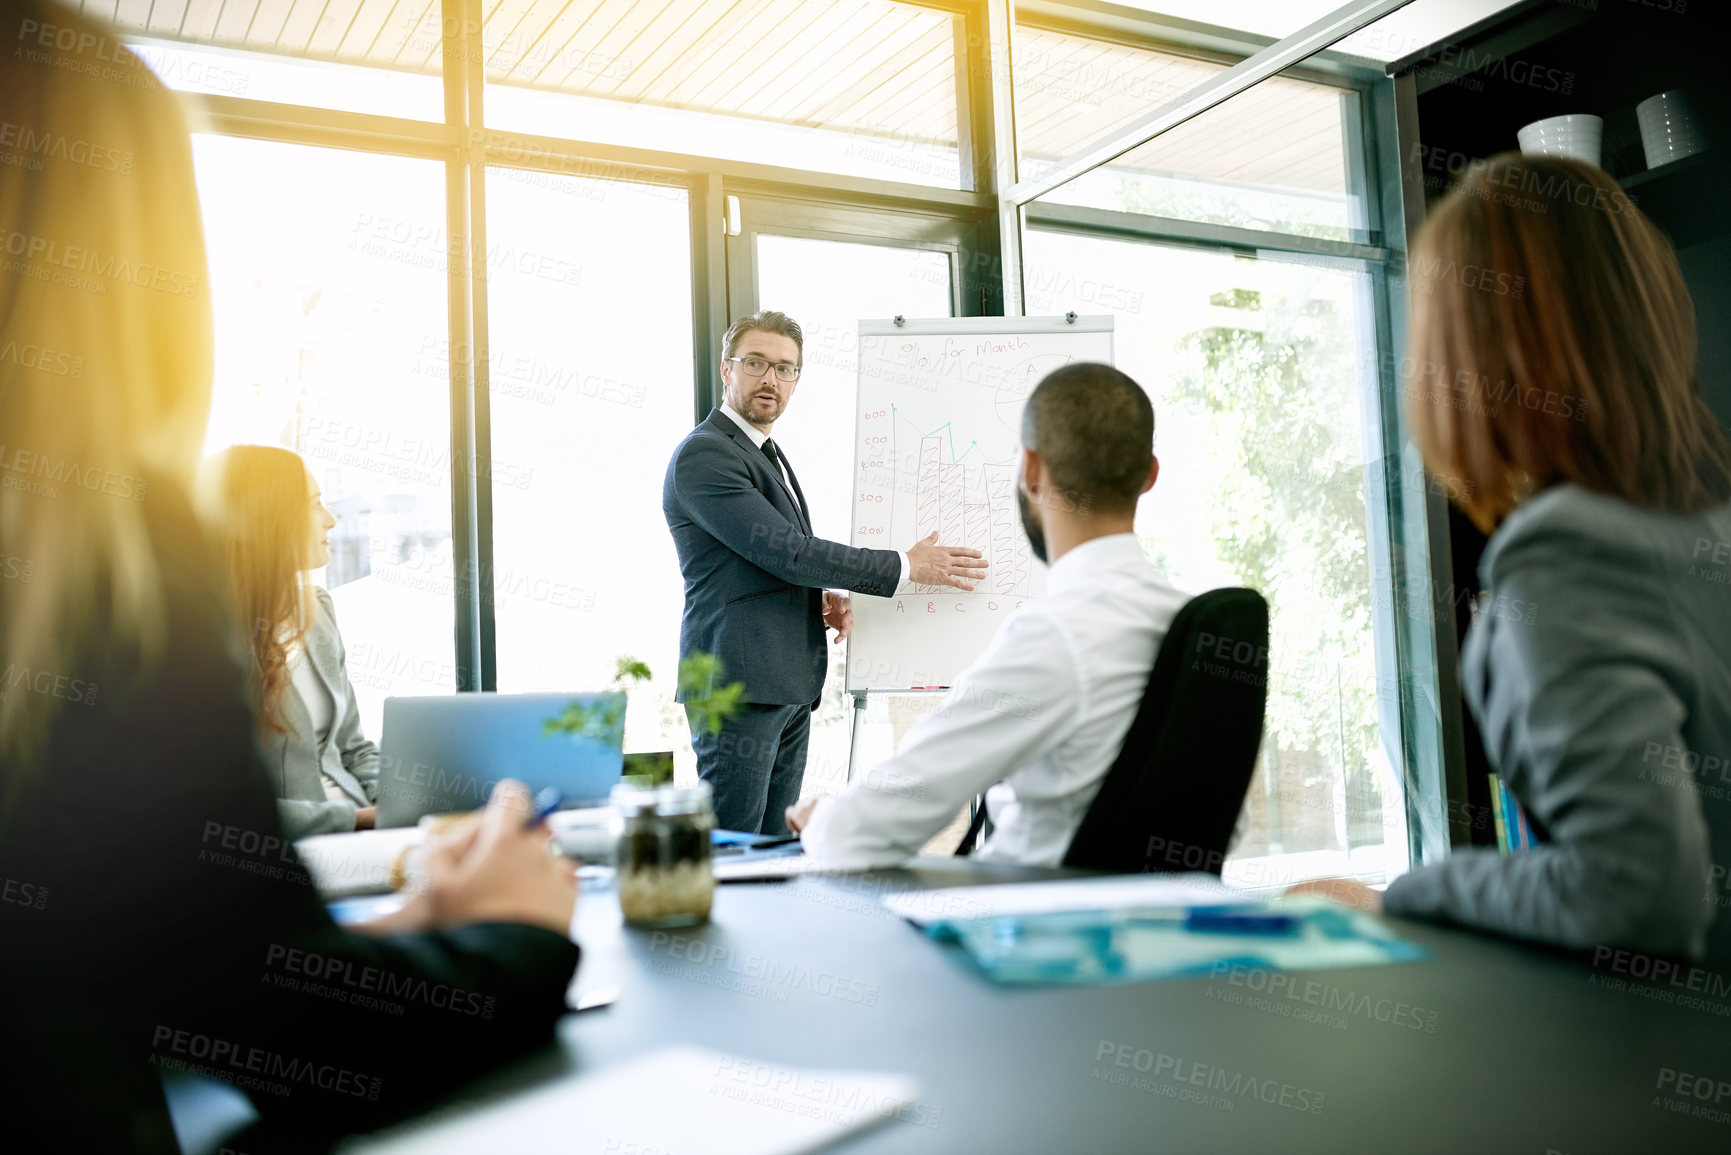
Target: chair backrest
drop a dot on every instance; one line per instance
(1172, 797)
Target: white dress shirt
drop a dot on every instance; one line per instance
(758, 437)
(1039, 718)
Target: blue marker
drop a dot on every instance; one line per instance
(1228, 920)
(545, 803)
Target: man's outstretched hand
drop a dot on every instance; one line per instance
(931, 564)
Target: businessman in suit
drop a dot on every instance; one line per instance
(758, 583)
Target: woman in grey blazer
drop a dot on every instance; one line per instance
(1568, 415)
(271, 526)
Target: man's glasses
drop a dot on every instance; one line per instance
(757, 367)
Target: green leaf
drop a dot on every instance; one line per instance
(585, 721)
(631, 669)
(709, 703)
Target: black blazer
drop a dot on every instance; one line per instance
(754, 574)
(167, 925)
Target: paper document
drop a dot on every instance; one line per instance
(767, 869)
(677, 1101)
(585, 833)
(1111, 892)
(358, 862)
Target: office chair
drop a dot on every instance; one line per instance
(1172, 796)
(1170, 801)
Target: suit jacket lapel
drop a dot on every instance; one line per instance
(321, 654)
(302, 743)
(725, 424)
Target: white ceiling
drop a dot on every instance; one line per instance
(845, 65)
(872, 66)
(1419, 24)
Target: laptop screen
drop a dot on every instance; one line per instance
(445, 753)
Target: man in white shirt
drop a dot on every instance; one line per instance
(1040, 716)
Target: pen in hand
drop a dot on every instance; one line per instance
(545, 803)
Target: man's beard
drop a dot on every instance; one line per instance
(1031, 524)
(744, 403)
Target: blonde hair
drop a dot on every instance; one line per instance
(1554, 340)
(255, 502)
(105, 355)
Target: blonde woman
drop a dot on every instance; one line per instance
(155, 916)
(271, 527)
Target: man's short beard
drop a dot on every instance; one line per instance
(747, 410)
(1031, 524)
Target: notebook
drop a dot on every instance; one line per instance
(681, 1100)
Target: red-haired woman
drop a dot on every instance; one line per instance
(271, 528)
(1569, 415)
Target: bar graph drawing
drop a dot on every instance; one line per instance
(973, 506)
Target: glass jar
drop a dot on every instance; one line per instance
(662, 833)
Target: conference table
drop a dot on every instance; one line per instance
(1486, 1046)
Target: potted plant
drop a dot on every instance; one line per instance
(663, 874)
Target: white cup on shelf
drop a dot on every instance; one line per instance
(1669, 128)
(1577, 135)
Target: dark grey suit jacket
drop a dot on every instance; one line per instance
(754, 574)
(295, 758)
(1597, 670)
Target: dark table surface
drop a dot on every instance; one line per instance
(1487, 1046)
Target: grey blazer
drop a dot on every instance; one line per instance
(1597, 669)
(294, 758)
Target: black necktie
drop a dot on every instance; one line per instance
(782, 470)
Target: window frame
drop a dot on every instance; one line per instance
(1410, 513)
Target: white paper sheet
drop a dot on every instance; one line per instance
(765, 869)
(358, 862)
(1113, 892)
(676, 1101)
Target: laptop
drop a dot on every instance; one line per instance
(445, 753)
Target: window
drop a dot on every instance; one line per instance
(1071, 91)
(828, 286)
(328, 279)
(1257, 369)
(334, 313)
(589, 364)
(1273, 158)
